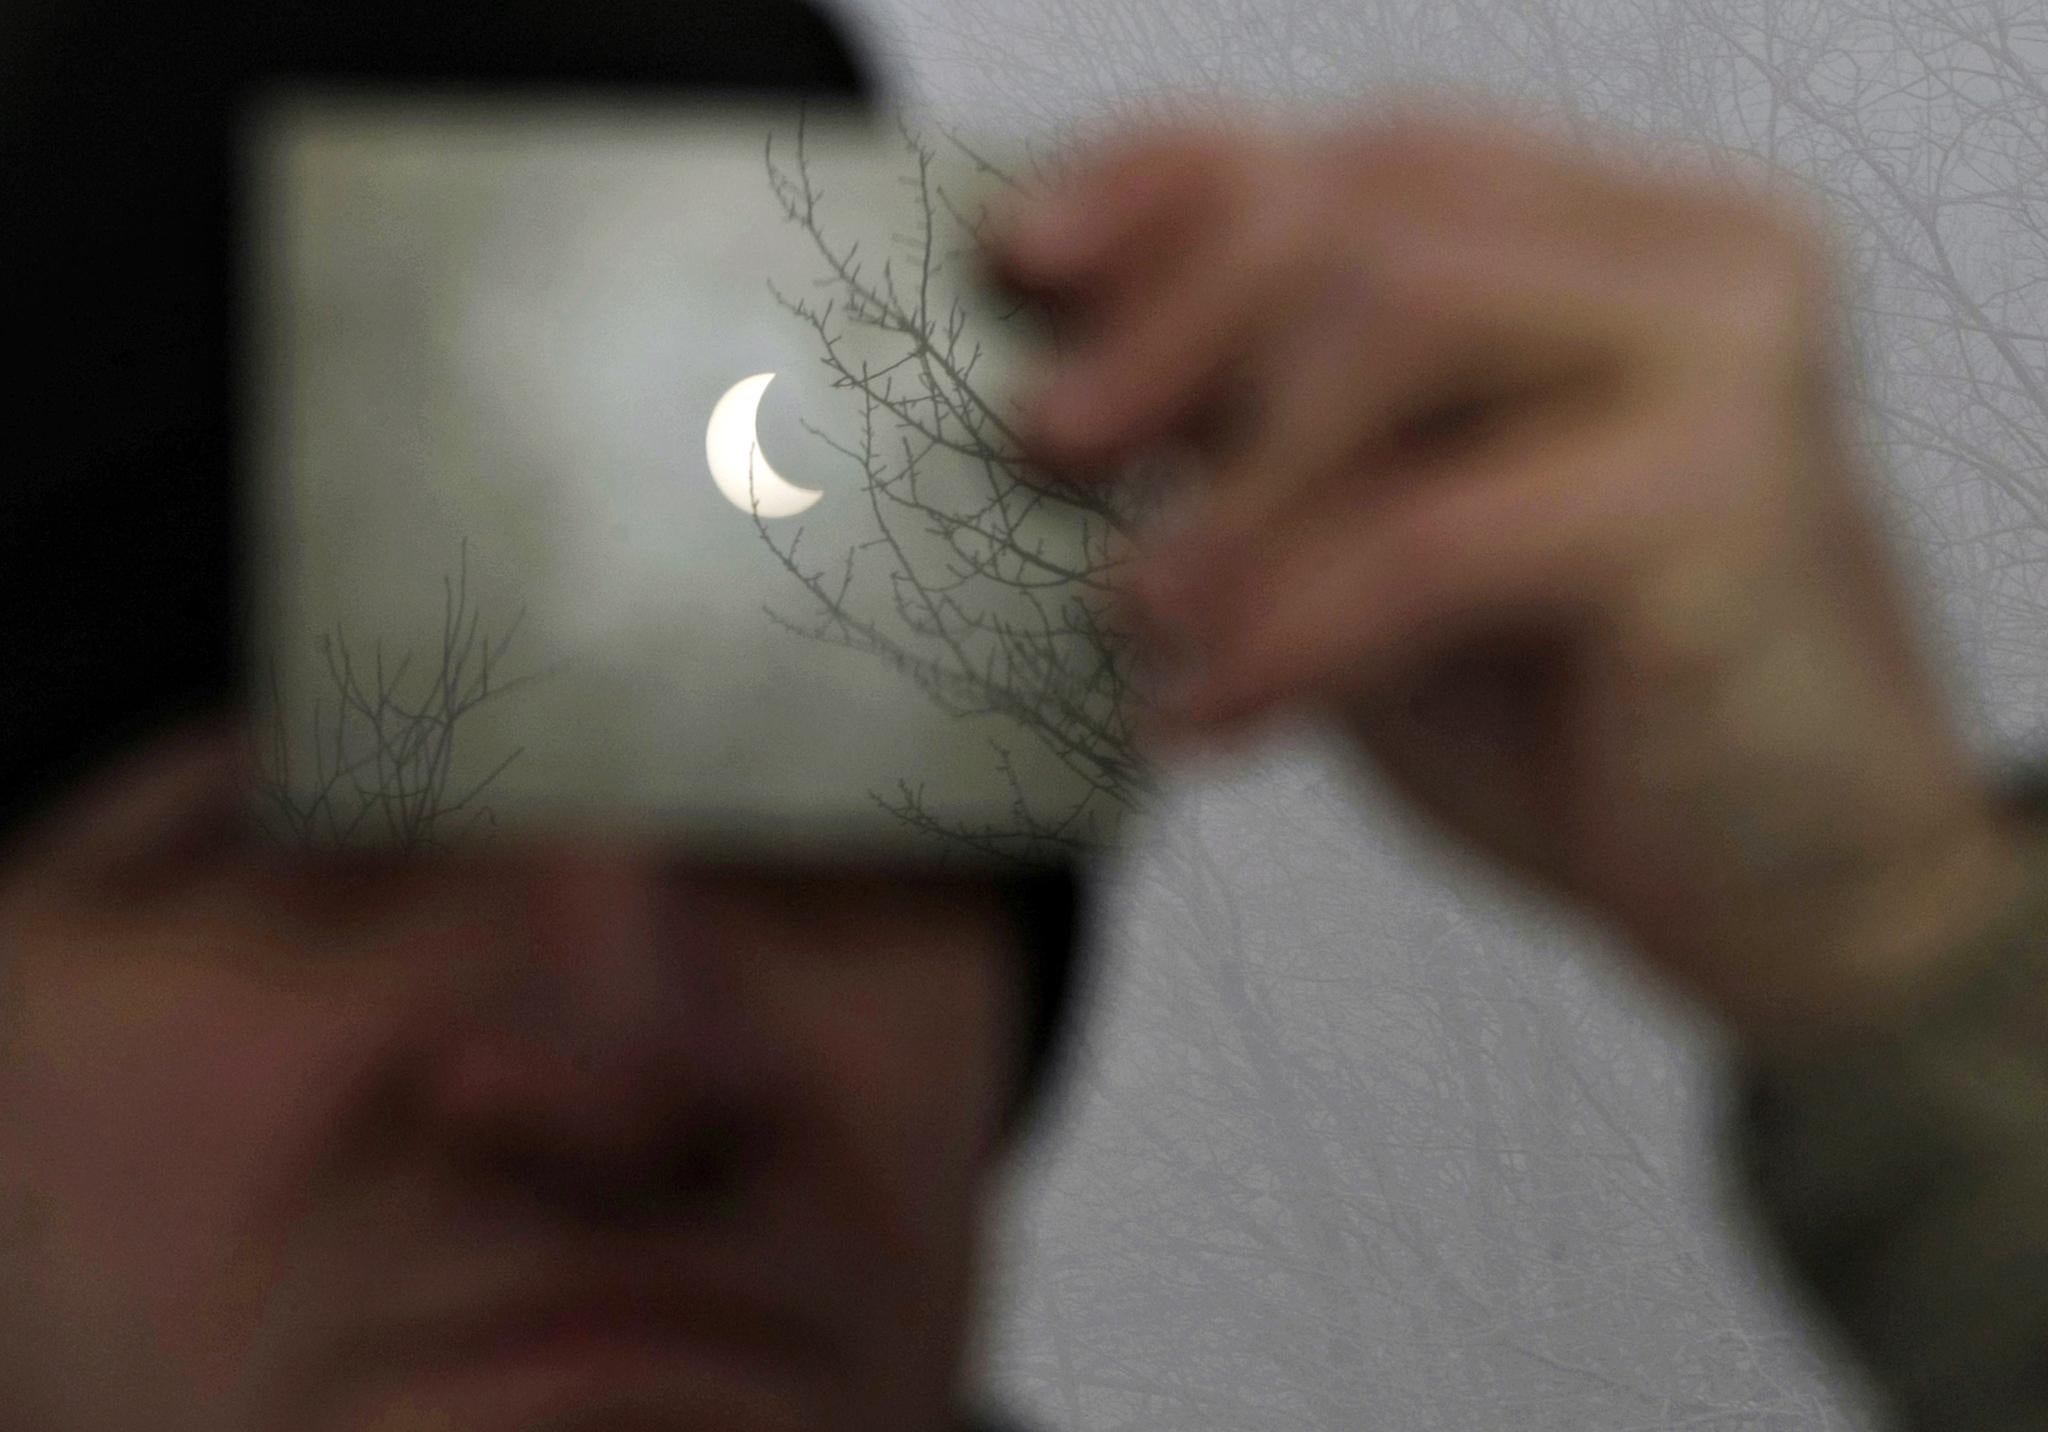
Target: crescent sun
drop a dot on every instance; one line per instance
(732, 445)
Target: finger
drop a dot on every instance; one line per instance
(1469, 339)
(1164, 348)
(1457, 742)
(1168, 333)
(1537, 539)
(1113, 211)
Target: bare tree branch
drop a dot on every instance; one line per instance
(987, 614)
(384, 752)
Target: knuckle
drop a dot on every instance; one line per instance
(1792, 239)
(1471, 172)
(1769, 282)
(1811, 264)
(1415, 146)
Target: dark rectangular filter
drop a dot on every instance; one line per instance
(651, 465)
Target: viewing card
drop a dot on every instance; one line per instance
(646, 466)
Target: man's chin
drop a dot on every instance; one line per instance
(611, 1386)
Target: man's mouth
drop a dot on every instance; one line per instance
(625, 1320)
(709, 1349)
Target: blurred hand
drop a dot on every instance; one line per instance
(1537, 480)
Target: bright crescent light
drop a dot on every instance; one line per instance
(732, 445)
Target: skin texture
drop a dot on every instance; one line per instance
(275, 1136)
(1531, 475)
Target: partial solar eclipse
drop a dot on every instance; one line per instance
(739, 467)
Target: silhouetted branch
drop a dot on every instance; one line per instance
(383, 752)
(987, 614)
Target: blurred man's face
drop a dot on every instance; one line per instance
(564, 1137)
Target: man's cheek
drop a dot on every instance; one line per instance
(164, 1123)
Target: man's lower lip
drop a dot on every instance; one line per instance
(585, 1366)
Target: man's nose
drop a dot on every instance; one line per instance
(606, 1046)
